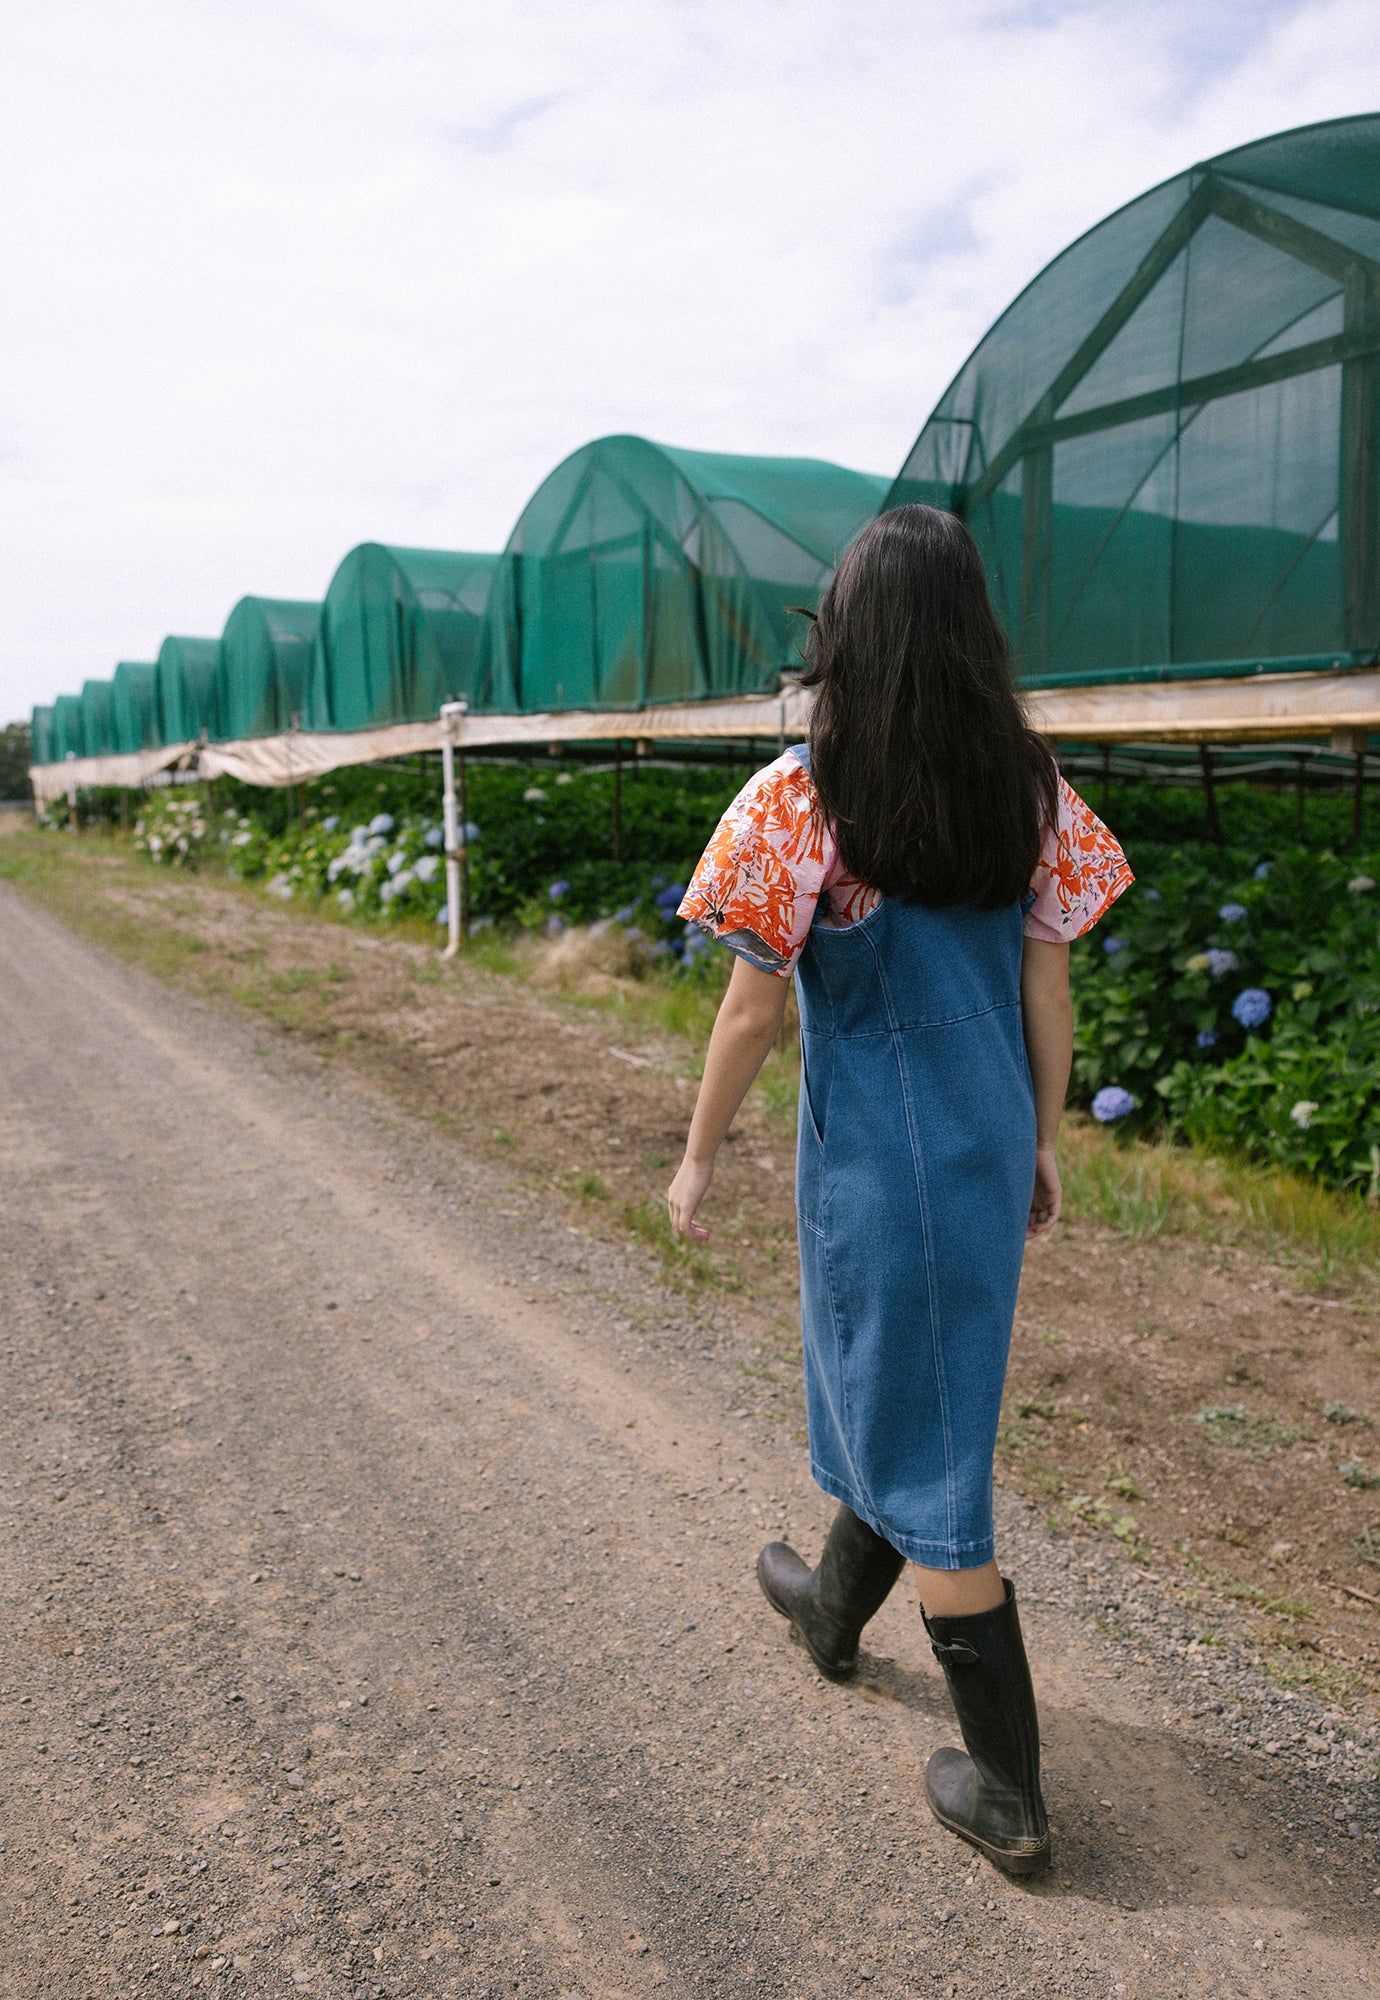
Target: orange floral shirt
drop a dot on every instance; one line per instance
(773, 856)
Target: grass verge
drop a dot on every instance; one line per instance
(1149, 1188)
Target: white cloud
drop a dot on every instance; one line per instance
(282, 277)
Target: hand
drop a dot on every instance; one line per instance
(685, 1194)
(1048, 1198)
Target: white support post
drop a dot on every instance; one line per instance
(452, 723)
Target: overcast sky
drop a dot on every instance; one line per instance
(280, 276)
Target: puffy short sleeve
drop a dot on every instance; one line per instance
(1080, 873)
(759, 879)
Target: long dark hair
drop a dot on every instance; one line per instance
(937, 789)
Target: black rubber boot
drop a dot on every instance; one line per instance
(829, 1606)
(990, 1795)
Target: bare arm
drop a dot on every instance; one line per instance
(748, 1022)
(1047, 1013)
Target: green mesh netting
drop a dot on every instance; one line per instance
(398, 636)
(1168, 447)
(265, 664)
(96, 718)
(42, 748)
(187, 673)
(639, 574)
(134, 708)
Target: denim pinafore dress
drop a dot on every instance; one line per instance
(916, 1160)
(914, 1176)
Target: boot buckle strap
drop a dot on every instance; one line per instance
(955, 1653)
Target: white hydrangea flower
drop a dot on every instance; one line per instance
(1302, 1113)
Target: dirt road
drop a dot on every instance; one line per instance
(378, 1560)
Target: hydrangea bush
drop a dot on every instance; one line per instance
(390, 863)
(1242, 1008)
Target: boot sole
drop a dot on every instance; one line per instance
(831, 1669)
(1019, 1865)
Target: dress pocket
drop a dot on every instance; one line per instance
(809, 1158)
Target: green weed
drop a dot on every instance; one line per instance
(589, 1187)
(1355, 1474)
(1014, 1437)
(1034, 1406)
(1277, 1607)
(1095, 1513)
(1231, 1424)
(1367, 1544)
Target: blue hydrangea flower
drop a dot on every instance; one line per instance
(1232, 913)
(669, 901)
(1112, 945)
(554, 927)
(442, 914)
(434, 837)
(1207, 1038)
(330, 823)
(1220, 961)
(557, 890)
(380, 823)
(1252, 1007)
(1151, 896)
(1111, 1103)
(1261, 870)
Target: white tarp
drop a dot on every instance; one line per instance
(51, 781)
(287, 760)
(1255, 708)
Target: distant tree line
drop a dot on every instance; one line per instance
(14, 761)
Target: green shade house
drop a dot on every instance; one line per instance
(265, 664)
(1168, 447)
(134, 708)
(638, 574)
(41, 744)
(398, 635)
(67, 736)
(188, 671)
(97, 703)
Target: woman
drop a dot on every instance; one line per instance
(920, 867)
